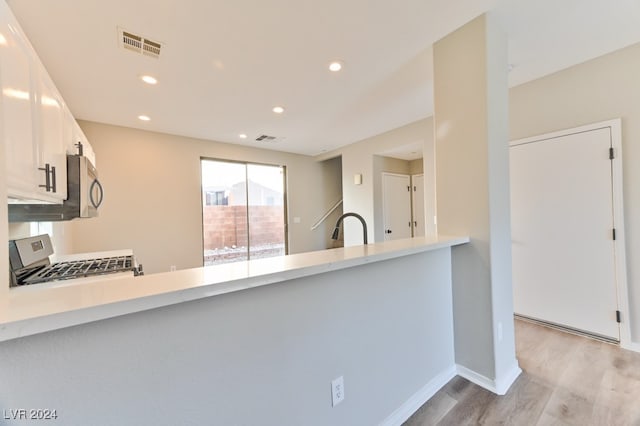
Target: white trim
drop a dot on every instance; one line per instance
(476, 378)
(499, 387)
(619, 243)
(630, 346)
(615, 126)
(505, 382)
(417, 400)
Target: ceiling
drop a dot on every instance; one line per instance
(225, 64)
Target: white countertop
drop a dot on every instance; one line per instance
(37, 308)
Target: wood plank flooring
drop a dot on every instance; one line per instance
(566, 380)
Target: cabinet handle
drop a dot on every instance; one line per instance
(53, 179)
(388, 231)
(47, 174)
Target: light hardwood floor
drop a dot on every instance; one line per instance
(566, 380)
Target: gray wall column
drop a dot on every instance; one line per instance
(472, 186)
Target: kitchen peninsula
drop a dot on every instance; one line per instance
(276, 331)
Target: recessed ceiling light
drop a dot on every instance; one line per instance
(335, 66)
(144, 118)
(242, 136)
(149, 79)
(278, 109)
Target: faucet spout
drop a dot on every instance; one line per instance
(336, 231)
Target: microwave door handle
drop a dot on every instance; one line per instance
(93, 201)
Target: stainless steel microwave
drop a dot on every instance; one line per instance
(84, 196)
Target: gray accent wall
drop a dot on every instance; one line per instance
(472, 178)
(264, 356)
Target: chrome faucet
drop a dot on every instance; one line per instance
(339, 222)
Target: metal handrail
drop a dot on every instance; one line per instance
(331, 210)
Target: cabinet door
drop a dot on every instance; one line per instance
(50, 136)
(396, 206)
(17, 108)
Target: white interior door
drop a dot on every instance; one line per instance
(417, 205)
(396, 206)
(562, 221)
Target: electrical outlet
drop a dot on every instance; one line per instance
(337, 391)
(172, 268)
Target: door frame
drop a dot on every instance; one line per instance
(622, 296)
(285, 199)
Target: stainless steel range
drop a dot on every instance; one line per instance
(30, 264)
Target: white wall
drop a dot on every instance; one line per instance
(262, 356)
(601, 89)
(358, 158)
(153, 201)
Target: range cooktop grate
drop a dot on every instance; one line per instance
(81, 268)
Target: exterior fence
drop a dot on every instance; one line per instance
(226, 226)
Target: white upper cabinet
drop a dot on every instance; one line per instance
(50, 134)
(17, 108)
(36, 125)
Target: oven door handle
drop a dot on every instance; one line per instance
(93, 201)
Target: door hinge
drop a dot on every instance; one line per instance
(613, 233)
(611, 154)
(618, 317)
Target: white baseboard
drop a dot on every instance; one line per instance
(406, 410)
(499, 386)
(630, 346)
(504, 383)
(402, 413)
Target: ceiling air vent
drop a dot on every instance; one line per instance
(266, 138)
(139, 44)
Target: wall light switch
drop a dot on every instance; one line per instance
(357, 179)
(296, 220)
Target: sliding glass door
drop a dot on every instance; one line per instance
(244, 213)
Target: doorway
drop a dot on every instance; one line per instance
(243, 211)
(567, 229)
